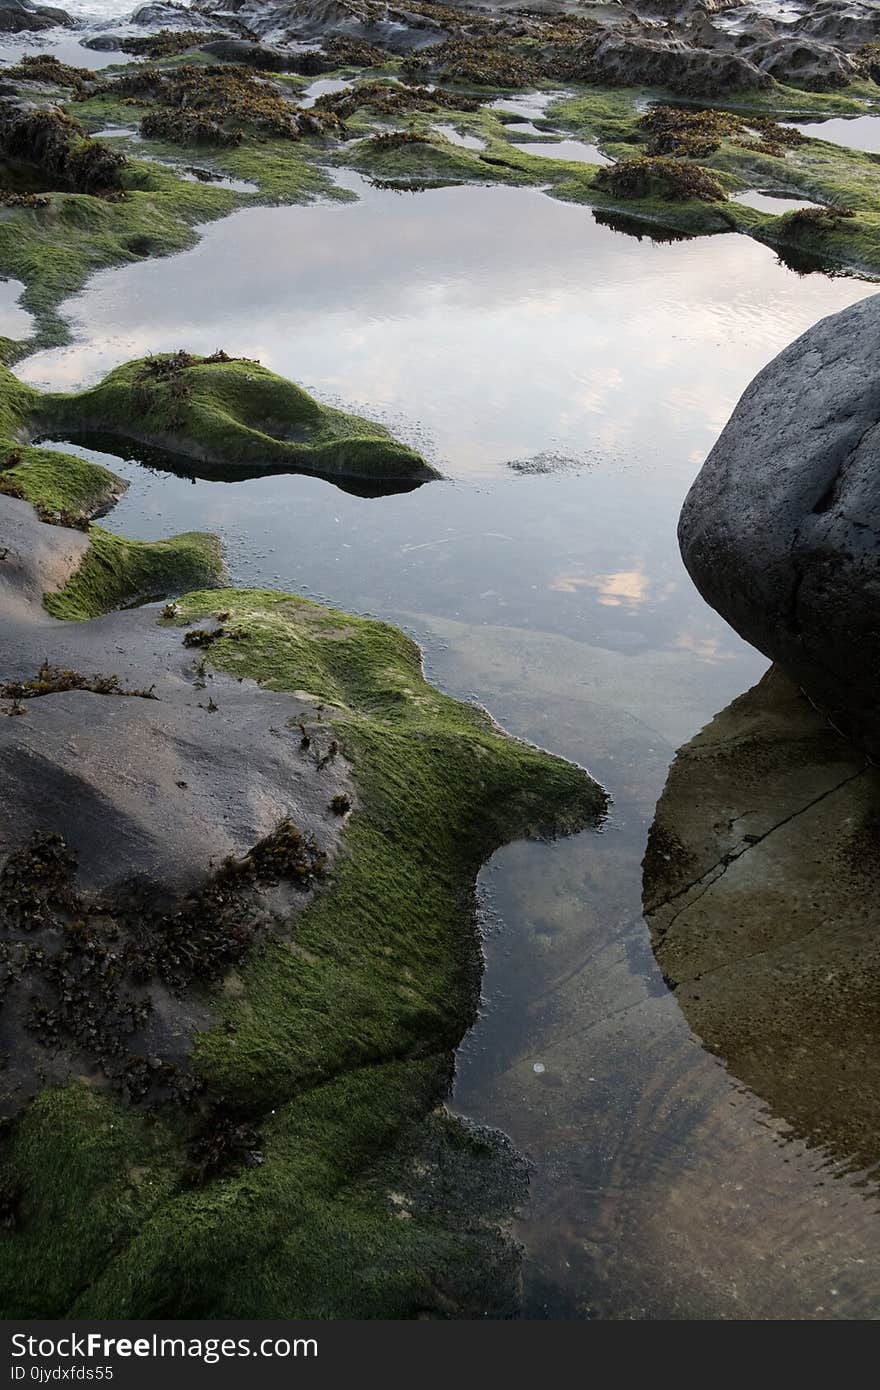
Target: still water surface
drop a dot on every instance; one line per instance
(569, 381)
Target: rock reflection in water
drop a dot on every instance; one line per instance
(761, 882)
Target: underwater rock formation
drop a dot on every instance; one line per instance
(780, 529)
(761, 880)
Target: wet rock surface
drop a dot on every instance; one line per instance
(19, 17)
(760, 885)
(145, 772)
(779, 531)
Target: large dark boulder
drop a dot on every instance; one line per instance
(781, 530)
(18, 17)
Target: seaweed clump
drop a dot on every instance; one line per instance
(659, 177)
(45, 67)
(55, 680)
(676, 130)
(167, 43)
(56, 144)
(392, 99)
(804, 221)
(85, 967)
(867, 60)
(478, 60)
(214, 103)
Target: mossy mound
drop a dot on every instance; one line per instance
(117, 572)
(231, 414)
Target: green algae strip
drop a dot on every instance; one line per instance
(338, 1044)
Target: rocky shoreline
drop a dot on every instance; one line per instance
(238, 942)
(239, 831)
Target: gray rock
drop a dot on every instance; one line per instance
(256, 55)
(18, 17)
(848, 25)
(102, 43)
(781, 529)
(804, 62)
(154, 791)
(633, 60)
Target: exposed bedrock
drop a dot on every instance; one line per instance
(781, 529)
(631, 60)
(808, 63)
(761, 879)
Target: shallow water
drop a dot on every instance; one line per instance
(569, 381)
(64, 44)
(577, 151)
(323, 86)
(15, 322)
(457, 137)
(771, 202)
(856, 132)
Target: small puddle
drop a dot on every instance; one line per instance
(530, 106)
(854, 132)
(776, 203)
(457, 137)
(575, 150)
(15, 322)
(323, 87)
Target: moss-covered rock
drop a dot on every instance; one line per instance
(232, 415)
(117, 572)
(309, 1174)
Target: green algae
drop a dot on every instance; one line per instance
(231, 415)
(116, 572)
(337, 1044)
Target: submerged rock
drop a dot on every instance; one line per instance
(761, 879)
(780, 530)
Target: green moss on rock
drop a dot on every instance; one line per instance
(232, 414)
(117, 573)
(336, 1044)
